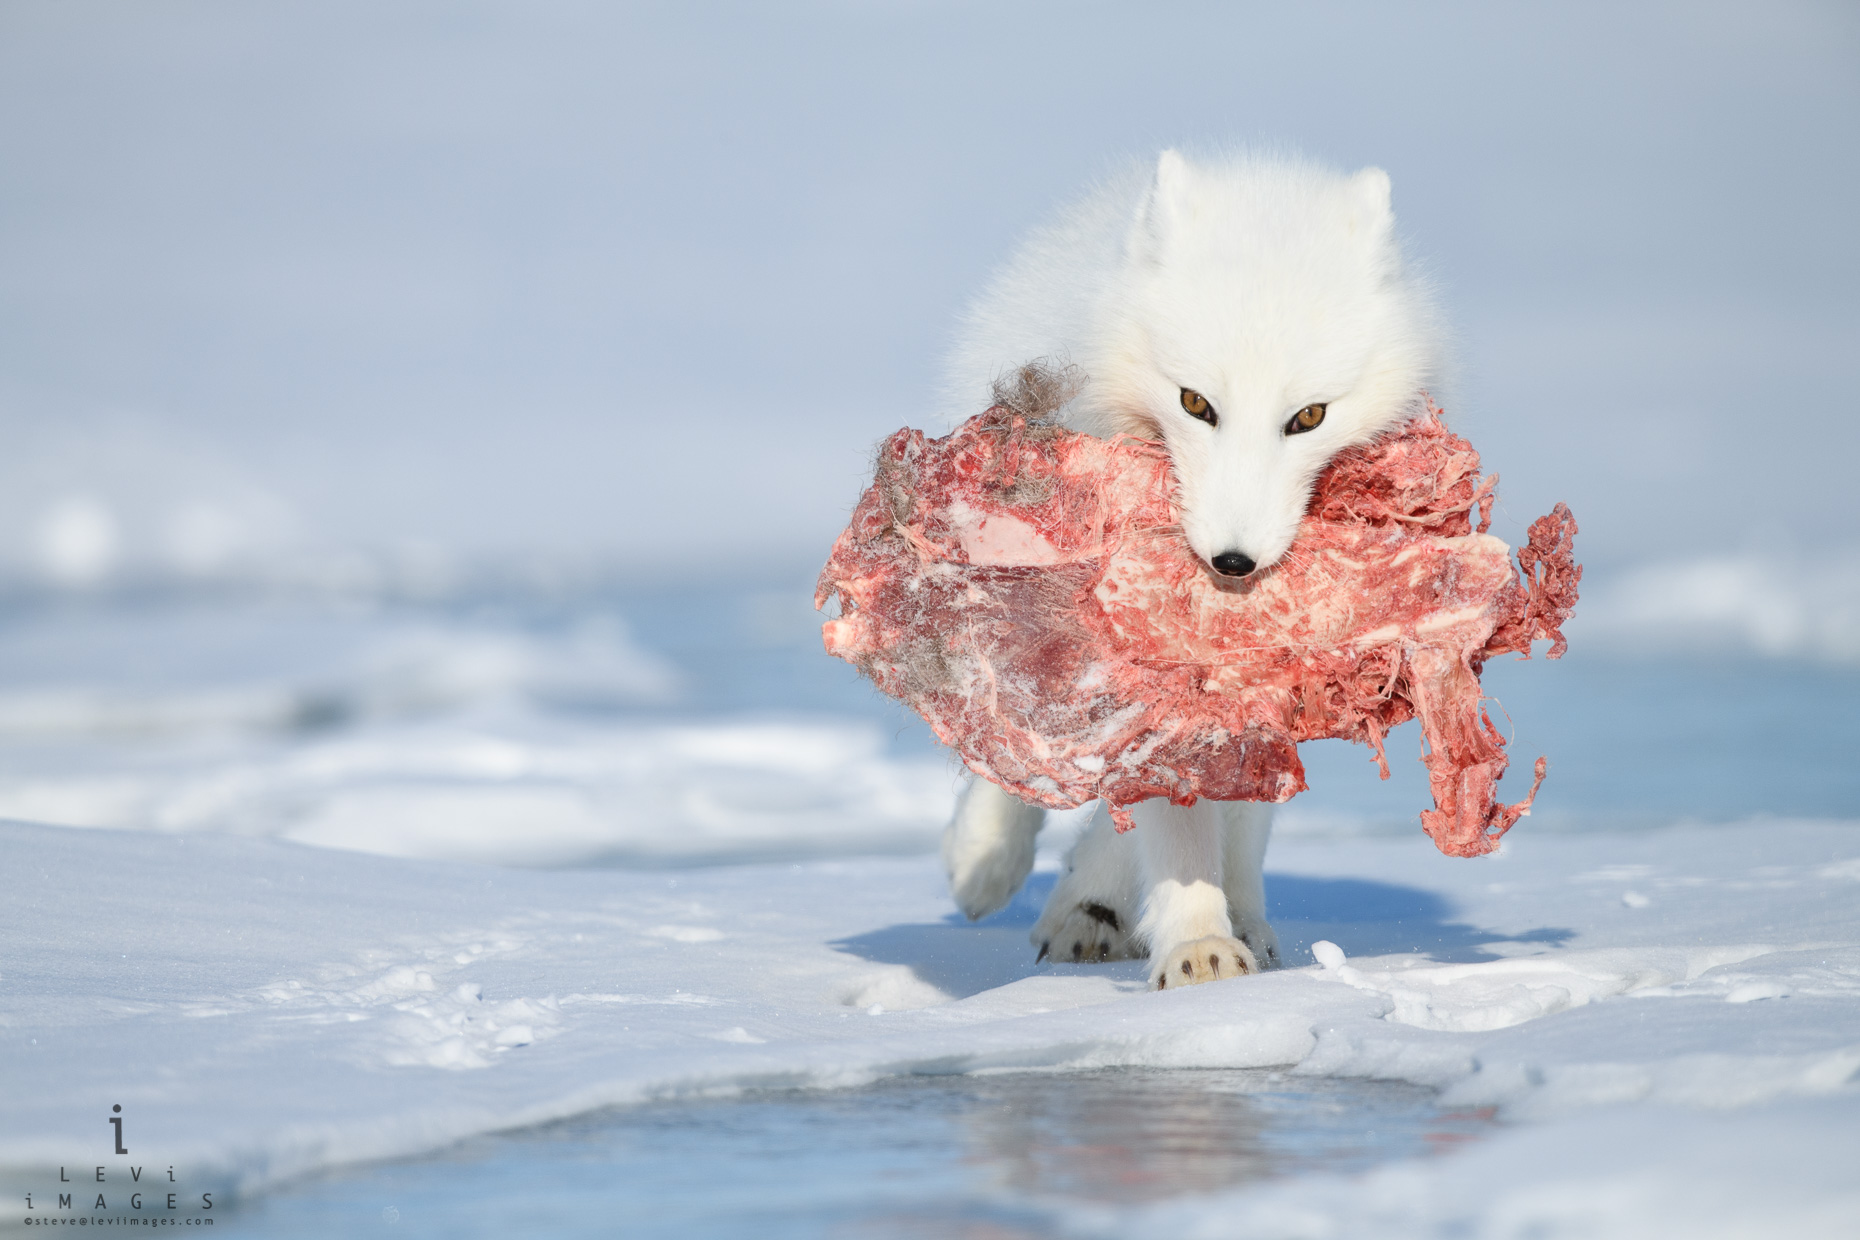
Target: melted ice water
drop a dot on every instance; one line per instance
(989, 1155)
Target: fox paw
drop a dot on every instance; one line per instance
(1087, 932)
(1209, 959)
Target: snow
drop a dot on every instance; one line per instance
(262, 1009)
(408, 736)
(302, 925)
(1779, 603)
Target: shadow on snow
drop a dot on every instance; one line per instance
(1368, 918)
(1365, 918)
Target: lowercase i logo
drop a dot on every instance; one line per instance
(116, 1122)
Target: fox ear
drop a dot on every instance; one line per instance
(1170, 193)
(1371, 189)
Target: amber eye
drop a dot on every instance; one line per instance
(1307, 419)
(1196, 405)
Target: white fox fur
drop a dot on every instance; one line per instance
(1266, 285)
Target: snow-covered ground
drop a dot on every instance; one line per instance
(538, 739)
(307, 923)
(261, 1009)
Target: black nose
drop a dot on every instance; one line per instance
(1233, 564)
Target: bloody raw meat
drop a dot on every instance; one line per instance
(1027, 589)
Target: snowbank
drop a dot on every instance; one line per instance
(1779, 604)
(451, 737)
(260, 1009)
(522, 790)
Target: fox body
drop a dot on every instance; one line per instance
(1255, 315)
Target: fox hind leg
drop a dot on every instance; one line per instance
(988, 848)
(1092, 912)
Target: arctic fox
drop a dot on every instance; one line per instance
(1255, 315)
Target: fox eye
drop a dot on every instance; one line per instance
(1196, 406)
(1307, 419)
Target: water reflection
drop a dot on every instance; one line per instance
(1123, 1136)
(989, 1155)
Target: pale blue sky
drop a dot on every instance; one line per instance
(647, 281)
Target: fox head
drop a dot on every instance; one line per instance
(1260, 322)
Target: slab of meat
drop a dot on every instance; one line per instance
(1028, 590)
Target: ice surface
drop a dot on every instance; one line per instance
(262, 1009)
(434, 734)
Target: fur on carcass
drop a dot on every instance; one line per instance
(1027, 589)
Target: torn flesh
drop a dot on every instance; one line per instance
(1028, 590)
